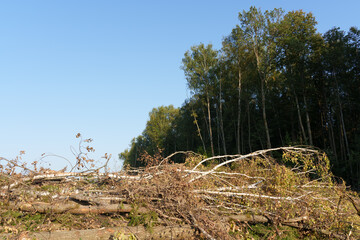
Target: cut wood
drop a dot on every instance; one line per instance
(251, 218)
(258, 189)
(75, 208)
(159, 232)
(94, 200)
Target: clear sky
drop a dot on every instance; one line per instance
(99, 67)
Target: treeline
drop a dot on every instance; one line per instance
(276, 81)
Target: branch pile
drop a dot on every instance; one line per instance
(221, 197)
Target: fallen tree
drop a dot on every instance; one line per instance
(216, 197)
(127, 232)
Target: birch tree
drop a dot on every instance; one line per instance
(256, 26)
(199, 64)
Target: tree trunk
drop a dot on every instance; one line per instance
(242, 138)
(222, 123)
(268, 143)
(329, 125)
(342, 120)
(210, 128)
(308, 122)
(343, 129)
(342, 145)
(249, 130)
(299, 116)
(199, 132)
(332, 136)
(262, 79)
(218, 130)
(126, 232)
(239, 113)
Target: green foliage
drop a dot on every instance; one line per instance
(27, 222)
(158, 134)
(160, 125)
(50, 188)
(276, 81)
(262, 231)
(198, 65)
(148, 219)
(317, 165)
(122, 236)
(67, 220)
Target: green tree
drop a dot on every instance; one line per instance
(159, 134)
(199, 65)
(276, 81)
(160, 126)
(138, 146)
(236, 55)
(295, 36)
(256, 27)
(338, 78)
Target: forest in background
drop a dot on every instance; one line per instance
(276, 81)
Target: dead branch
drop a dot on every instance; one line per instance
(257, 153)
(15, 164)
(208, 236)
(355, 205)
(229, 194)
(225, 173)
(63, 175)
(260, 152)
(259, 191)
(176, 153)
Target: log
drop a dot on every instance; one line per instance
(75, 208)
(158, 232)
(249, 218)
(95, 200)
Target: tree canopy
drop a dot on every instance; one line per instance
(276, 81)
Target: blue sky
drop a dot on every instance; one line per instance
(99, 67)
